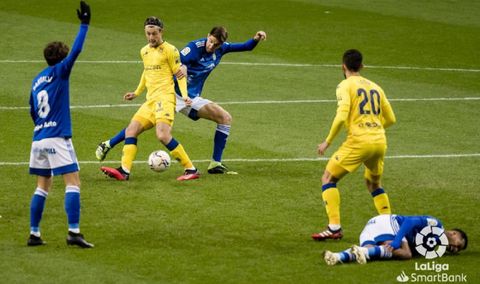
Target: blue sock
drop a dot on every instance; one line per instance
(72, 207)
(219, 141)
(117, 138)
(36, 210)
(347, 256)
(377, 252)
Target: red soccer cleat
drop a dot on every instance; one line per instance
(118, 174)
(189, 174)
(328, 234)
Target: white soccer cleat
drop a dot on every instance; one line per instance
(360, 254)
(331, 258)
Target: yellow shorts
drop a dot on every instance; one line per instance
(348, 158)
(153, 111)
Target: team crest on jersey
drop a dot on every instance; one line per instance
(200, 43)
(185, 51)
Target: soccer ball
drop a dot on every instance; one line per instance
(159, 161)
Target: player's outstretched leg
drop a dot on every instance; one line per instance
(105, 146)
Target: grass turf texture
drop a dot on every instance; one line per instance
(253, 227)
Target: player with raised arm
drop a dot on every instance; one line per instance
(199, 59)
(161, 61)
(394, 236)
(52, 150)
(363, 109)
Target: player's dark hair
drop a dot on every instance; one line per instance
(153, 21)
(464, 236)
(220, 33)
(352, 59)
(55, 52)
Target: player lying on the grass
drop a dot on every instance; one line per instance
(161, 61)
(52, 149)
(394, 236)
(199, 58)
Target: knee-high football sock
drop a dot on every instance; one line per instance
(219, 141)
(380, 199)
(178, 153)
(36, 210)
(72, 207)
(129, 153)
(331, 198)
(117, 138)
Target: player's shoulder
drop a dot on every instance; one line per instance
(198, 43)
(168, 46)
(194, 47)
(343, 84)
(144, 49)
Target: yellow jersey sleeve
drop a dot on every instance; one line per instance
(141, 85)
(343, 109)
(388, 116)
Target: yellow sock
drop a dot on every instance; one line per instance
(331, 197)
(128, 155)
(380, 199)
(180, 155)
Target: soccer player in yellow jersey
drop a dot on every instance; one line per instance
(365, 111)
(161, 61)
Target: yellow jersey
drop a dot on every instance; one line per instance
(159, 65)
(363, 109)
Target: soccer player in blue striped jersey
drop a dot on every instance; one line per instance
(52, 151)
(394, 236)
(199, 59)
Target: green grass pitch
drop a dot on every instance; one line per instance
(254, 227)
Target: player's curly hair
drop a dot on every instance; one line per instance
(220, 33)
(352, 59)
(55, 52)
(153, 21)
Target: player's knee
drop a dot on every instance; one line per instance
(327, 177)
(224, 118)
(164, 137)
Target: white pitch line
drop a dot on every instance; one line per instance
(447, 69)
(280, 160)
(256, 102)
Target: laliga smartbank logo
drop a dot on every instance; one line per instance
(431, 242)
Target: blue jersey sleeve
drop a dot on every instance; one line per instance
(238, 47)
(67, 63)
(411, 224)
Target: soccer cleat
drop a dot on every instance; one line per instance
(328, 234)
(331, 258)
(35, 241)
(118, 173)
(219, 168)
(102, 150)
(189, 174)
(360, 254)
(74, 239)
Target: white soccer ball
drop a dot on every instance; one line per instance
(159, 161)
